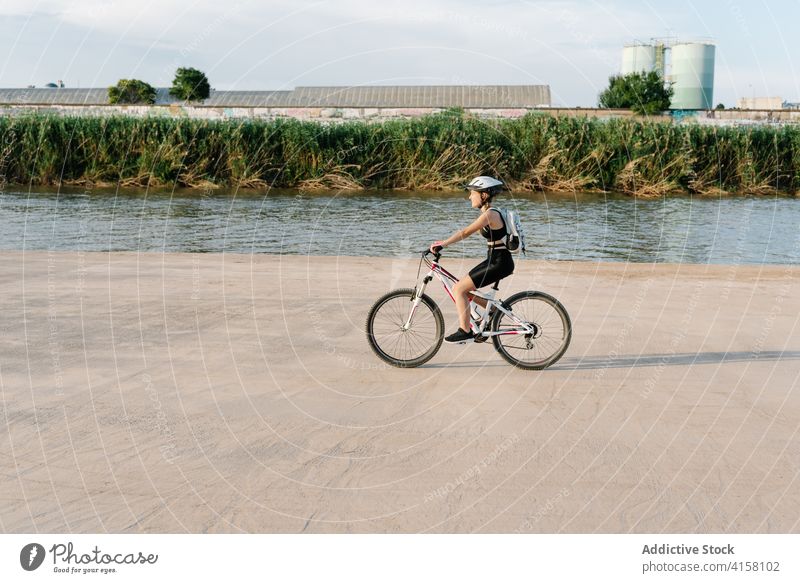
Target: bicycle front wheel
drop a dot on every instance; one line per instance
(545, 343)
(402, 346)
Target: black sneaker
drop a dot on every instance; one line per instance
(460, 337)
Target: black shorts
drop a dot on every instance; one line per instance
(499, 264)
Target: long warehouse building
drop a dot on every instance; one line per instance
(397, 96)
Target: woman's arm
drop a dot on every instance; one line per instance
(480, 222)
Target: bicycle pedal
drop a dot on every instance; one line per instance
(481, 339)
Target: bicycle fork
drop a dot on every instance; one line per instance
(418, 293)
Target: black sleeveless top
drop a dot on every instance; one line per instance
(494, 234)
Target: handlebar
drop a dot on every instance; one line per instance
(437, 254)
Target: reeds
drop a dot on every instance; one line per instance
(535, 152)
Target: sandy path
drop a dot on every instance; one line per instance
(227, 393)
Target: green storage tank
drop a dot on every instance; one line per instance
(692, 72)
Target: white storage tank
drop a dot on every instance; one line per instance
(692, 72)
(638, 58)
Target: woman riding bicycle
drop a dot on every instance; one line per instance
(498, 264)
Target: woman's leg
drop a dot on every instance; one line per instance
(480, 301)
(461, 294)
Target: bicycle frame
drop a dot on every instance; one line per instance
(448, 281)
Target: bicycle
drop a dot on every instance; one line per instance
(528, 324)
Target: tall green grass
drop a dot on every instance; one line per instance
(535, 152)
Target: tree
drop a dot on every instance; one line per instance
(131, 91)
(190, 84)
(644, 93)
(720, 106)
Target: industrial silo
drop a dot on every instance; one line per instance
(638, 58)
(692, 72)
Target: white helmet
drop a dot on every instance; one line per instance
(485, 184)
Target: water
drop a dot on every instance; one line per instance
(584, 227)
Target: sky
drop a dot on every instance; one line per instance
(573, 46)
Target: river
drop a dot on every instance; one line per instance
(582, 227)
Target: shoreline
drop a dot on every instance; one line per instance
(165, 392)
(466, 259)
(228, 190)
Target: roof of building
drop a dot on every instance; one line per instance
(400, 96)
(490, 96)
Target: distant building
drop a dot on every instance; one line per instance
(397, 96)
(767, 103)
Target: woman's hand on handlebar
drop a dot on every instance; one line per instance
(436, 246)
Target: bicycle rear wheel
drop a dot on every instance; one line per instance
(552, 330)
(394, 344)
